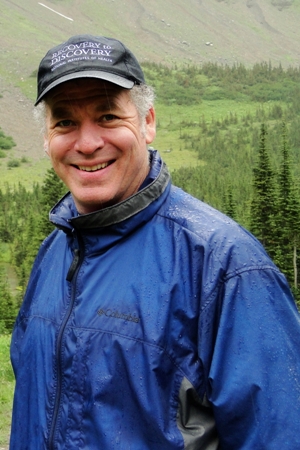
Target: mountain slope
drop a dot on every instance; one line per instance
(169, 31)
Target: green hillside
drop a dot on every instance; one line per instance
(172, 32)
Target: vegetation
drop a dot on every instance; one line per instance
(263, 206)
(193, 84)
(6, 142)
(8, 307)
(248, 163)
(225, 142)
(275, 214)
(13, 163)
(6, 388)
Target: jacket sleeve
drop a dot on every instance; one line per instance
(254, 372)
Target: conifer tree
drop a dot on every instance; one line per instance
(288, 227)
(284, 246)
(7, 305)
(52, 190)
(32, 242)
(38, 229)
(35, 225)
(22, 281)
(229, 204)
(263, 205)
(294, 224)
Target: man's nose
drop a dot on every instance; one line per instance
(89, 138)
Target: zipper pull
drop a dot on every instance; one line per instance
(74, 265)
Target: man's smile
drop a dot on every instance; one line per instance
(93, 168)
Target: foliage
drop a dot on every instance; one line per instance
(15, 225)
(288, 216)
(260, 192)
(7, 305)
(229, 207)
(273, 214)
(263, 209)
(211, 81)
(6, 142)
(13, 163)
(52, 190)
(35, 224)
(6, 388)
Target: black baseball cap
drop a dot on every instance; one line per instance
(88, 56)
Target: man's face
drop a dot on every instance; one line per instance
(95, 141)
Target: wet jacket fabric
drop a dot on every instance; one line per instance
(155, 324)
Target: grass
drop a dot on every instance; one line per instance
(170, 119)
(26, 173)
(6, 389)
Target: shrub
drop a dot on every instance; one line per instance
(13, 163)
(6, 142)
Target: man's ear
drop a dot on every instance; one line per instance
(150, 128)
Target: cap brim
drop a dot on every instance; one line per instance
(112, 78)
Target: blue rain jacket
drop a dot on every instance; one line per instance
(155, 324)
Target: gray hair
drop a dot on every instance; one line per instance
(39, 114)
(141, 95)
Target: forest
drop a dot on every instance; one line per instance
(247, 165)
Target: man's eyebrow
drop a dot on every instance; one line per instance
(57, 112)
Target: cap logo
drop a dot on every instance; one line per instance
(79, 52)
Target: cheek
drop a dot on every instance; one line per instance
(57, 147)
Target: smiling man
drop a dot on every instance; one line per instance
(151, 321)
(96, 142)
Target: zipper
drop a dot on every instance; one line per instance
(71, 276)
(74, 265)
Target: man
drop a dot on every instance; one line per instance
(151, 320)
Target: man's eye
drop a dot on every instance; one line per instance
(108, 117)
(64, 123)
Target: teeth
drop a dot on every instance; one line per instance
(93, 168)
